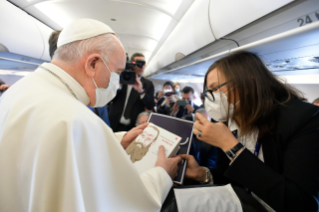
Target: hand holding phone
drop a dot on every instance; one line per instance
(182, 103)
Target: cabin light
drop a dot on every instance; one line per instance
(113, 19)
(16, 73)
(193, 80)
(300, 79)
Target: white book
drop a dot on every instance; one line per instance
(143, 151)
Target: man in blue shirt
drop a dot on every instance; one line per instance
(102, 112)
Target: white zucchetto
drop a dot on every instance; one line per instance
(82, 29)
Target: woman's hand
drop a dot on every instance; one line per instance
(216, 134)
(194, 171)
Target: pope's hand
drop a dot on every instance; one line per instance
(216, 134)
(132, 134)
(193, 170)
(169, 164)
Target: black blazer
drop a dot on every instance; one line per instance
(288, 179)
(135, 104)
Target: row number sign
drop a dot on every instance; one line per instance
(308, 19)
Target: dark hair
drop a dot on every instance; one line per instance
(2, 82)
(202, 96)
(188, 89)
(315, 101)
(53, 40)
(259, 91)
(168, 83)
(136, 55)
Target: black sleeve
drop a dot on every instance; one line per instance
(148, 99)
(295, 188)
(222, 163)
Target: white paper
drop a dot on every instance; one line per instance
(143, 152)
(207, 199)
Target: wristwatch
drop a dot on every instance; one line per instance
(209, 177)
(143, 92)
(231, 153)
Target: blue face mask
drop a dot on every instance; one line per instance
(105, 95)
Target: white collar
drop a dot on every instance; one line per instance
(78, 90)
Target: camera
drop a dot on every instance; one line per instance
(168, 93)
(128, 76)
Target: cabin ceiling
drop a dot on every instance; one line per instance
(142, 25)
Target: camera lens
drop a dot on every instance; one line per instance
(127, 76)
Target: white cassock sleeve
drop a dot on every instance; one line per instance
(119, 135)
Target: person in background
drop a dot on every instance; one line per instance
(187, 95)
(53, 39)
(202, 98)
(99, 111)
(269, 145)
(316, 102)
(131, 100)
(142, 118)
(177, 90)
(3, 87)
(166, 98)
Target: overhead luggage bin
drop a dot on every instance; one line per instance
(228, 15)
(191, 33)
(19, 33)
(292, 50)
(45, 33)
(190, 71)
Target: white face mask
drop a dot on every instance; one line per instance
(105, 95)
(177, 90)
(218, 109)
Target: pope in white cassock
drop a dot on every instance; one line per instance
(55, 154)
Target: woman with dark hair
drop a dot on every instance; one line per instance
(269, 147)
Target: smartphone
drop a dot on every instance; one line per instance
(182, 103)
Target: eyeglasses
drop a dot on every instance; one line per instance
(212, 97)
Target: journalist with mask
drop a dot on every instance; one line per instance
(268, 137)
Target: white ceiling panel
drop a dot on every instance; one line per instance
(137, 42)
(142, 25)
(228, 15)
(130, 18)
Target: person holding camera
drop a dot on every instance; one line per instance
(132, 99)
(185, 106)
(166, 98)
